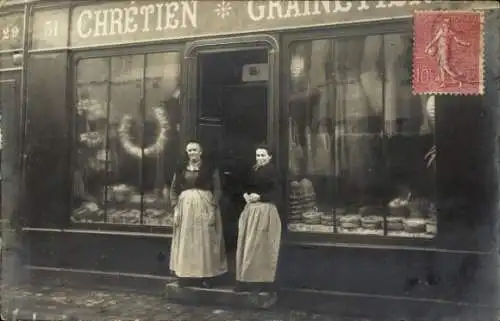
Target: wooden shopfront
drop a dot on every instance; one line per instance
(111, 91)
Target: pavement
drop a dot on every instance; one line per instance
(63, 303)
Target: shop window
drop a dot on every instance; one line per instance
(127, 119)
(361, 155)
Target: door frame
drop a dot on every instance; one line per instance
(190, 74)
(12, 79)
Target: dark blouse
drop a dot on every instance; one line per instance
(264, 181)
(204, 179)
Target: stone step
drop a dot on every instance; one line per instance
(222, 295)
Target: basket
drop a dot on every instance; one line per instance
(295, 218)
(328, 219)
(372, 222)
(395, 223)
(311, 218)
(122, 193)
(350, 225)
(350, 221)
(350, 218)
(302, 198)
(309, 195)
(431, 227)
(415, 225)
(395, 226)
(399, 207)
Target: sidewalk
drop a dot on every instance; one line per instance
(63, 303)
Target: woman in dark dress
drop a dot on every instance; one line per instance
(197, 252)
(259, 228)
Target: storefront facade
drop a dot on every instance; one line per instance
(106, 95)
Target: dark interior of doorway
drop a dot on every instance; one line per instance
(232, 120)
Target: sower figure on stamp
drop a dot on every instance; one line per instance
(259, 228)
(440, 46)
(197, 253)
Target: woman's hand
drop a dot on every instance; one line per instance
(177, 217)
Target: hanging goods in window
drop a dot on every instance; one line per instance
(153, 150)
(94, 111)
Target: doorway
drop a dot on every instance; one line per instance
(233, 115)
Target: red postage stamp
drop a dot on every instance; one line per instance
(448, 53)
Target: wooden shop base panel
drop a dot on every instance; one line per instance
(218, 296)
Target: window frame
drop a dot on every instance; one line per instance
(93, 53)
(400, 26)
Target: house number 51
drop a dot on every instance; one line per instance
(51, 28)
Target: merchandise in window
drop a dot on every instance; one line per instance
(361, 146)
(127, 137)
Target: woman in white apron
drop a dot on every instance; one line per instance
(197, 253)
(259, 228)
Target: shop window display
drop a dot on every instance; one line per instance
(361, 145)
(127, 118)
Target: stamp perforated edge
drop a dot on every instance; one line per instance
(481, 52)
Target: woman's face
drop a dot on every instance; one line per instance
(262, 156)
(193, 151)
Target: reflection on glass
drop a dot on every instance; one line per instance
(127, 124)
(162, 120)
(125, 137)
(90, 170)
(358, 140)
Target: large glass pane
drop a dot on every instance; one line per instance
(89, 176)
(358, 139)
(95, 70)
(161, 134)
(409, 124)
(312, 110)
(125, 139)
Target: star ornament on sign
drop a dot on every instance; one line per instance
(223, 9)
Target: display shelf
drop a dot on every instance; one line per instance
(428, 230)
(124, 216)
